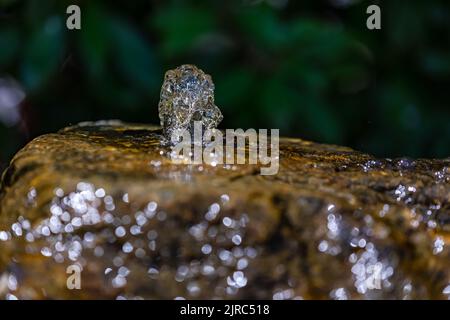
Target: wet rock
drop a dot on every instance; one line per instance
(332, 224)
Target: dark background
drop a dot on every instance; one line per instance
(310, 68)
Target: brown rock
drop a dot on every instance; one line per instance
(333, 223)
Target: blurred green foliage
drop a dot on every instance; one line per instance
(310, 68)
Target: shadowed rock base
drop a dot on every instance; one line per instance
(333, 224)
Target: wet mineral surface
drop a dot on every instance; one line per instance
(332, 224)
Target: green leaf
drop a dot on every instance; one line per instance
(262, 26)
(43, 53)
(134, 57)
(319, 42)
(181, 27)
(95, 39)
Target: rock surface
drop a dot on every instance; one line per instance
(332, 224)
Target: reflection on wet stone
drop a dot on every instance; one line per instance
(333, 224)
